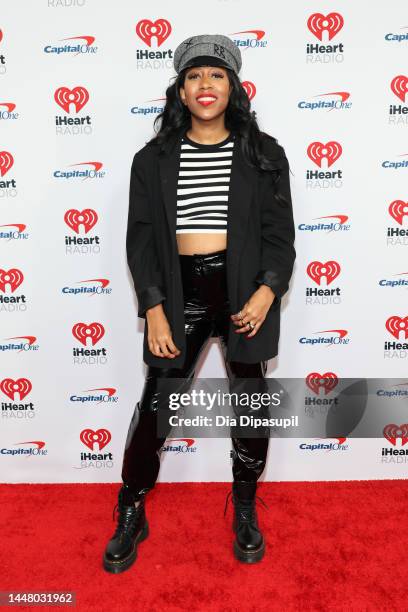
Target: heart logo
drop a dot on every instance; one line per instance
(78, 96)
(331, 23)
(101, 437)
(249, 88)
(399, 86)
(22, 386)
(396, 324)
(316, 270)
(391, 432)
(13, 277)
(331, 151)
(146, 29)
(398, 210)
(327, 381)
(82, 332)
(74, 218)
(6, 161)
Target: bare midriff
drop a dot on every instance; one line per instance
(200, 243)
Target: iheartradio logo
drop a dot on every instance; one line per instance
(249, 88)
(86, 218)
(71, 98)
(100, 438)
(20, 386)
(148, 30)
(316, 270)
(6, 162)
(330, 152)
(395, 325)
(81, 222)
(399, 86)
(93, 331)
(89, 334)
(12, 278)
(329, 270)
(398, 209)
(327, 381)
(331, 24)
(393, 432)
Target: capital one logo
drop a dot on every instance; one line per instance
(100, 437)
(87, 218)
(20, 227)
(6, 161)
(330, 270)
(160, 29)
(21, 386)
(95, 331)
(398, 210)
(249, 88)
(391, 432)
(396, 324)
(331, 151)
(78, 96)
(331, 23)
(186, 445)
(399, 86)
(12, 277)
(327, 381)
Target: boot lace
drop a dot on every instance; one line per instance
(246, 509)
(126, 518)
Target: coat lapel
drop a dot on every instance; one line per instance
(242, 183)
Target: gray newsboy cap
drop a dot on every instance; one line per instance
(207, 50)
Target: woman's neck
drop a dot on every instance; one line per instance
(207, 134)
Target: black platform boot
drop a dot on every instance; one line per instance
(249, 544)
(132, 528)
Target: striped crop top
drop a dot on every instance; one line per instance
(203, 186)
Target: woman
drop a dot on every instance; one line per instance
(210, 247)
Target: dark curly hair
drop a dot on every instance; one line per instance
(239, 118)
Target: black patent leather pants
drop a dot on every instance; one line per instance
(206, 305)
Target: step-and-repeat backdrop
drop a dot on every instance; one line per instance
(81, 82)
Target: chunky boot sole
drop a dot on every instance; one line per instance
(252, 556)
(116, 567)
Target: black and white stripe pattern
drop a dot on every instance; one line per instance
(203, 186)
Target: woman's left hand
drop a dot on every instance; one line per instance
(254, 311)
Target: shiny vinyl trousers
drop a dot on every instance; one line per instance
(206, 307)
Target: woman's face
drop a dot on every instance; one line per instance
(206, 91)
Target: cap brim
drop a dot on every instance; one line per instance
(206, 60)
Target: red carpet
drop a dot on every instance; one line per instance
(330, 546)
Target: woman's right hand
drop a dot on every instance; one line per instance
(159, 336)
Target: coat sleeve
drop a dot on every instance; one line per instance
(278, 234)
(140, 244)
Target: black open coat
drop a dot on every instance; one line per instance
(260, 239)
